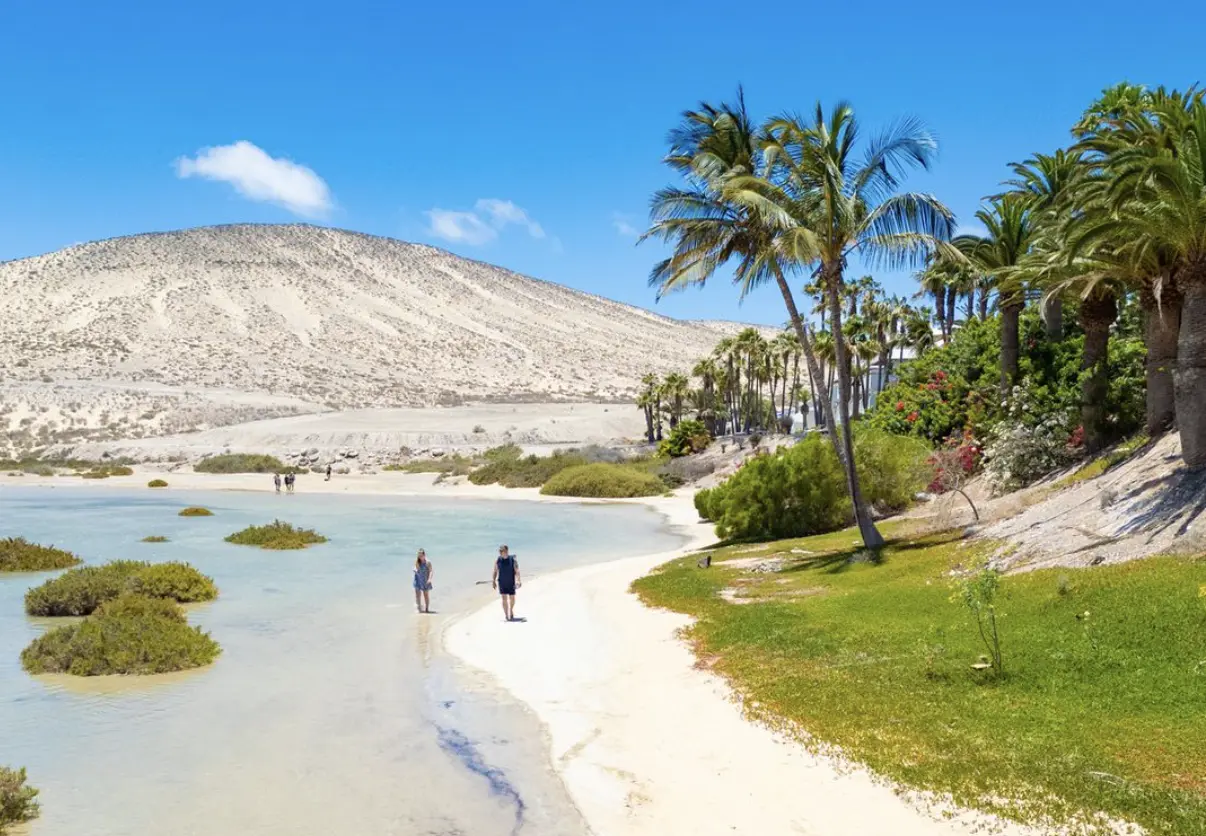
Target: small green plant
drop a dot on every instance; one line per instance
(241, 463)
(19, 555)
(18, 802)
(106, 470)
(154, 538)
(81, 591)
(196, 511)
(686, 438)
(157, 483)
(604, 481)
(276, 535)
(132, 634)
(978, 592)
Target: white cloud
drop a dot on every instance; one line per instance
(482, 225)
(461, 227)
(623, 225)
(258, 176)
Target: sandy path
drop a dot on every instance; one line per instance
(649, 744)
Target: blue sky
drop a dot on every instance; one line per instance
(524, 134)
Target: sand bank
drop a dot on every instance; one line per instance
(649, 744)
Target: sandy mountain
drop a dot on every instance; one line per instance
(168, 331)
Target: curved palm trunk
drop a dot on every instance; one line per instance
(1053, 318)
(1011, 314)
(1097, 314)
(1190, 376)
(952, 299)
(940, 309)
(831, 282)
(1161, 324)
(983, 303)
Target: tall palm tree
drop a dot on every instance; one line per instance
(1159, 200)
(675, 389)
(1009, 222)
(830, 202)
(646, 402)
(718, 218)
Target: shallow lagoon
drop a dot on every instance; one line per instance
(332, 709)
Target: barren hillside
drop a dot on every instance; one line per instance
(187, 324)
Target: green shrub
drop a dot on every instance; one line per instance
(527, 471)
(40, 471)
(687, 437)
(80, 591)
(19, 555)
(155, 538)
(801, 490)
(95, 474)
(703, 504)
(241, 463)
(603, 480)
(157, 483)
(276, 535)
(196, 511)
(454, 465)
(17, 801)
(130, 635)
(104, 471)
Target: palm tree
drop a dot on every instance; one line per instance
(721, 217)
(1009, 222)
(646, 401)
(1158, 195)
(707, 371)
(675, 389)
(830, 204)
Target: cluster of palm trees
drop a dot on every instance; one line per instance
(1119, 213)
(794, 196)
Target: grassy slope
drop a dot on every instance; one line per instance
(1105, 712)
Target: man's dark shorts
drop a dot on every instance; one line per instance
(506, 588)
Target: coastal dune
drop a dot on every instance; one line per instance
(648, 743)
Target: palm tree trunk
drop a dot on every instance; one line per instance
(1161, 324)
(832, 283)
(971, 304)
(984, 303)
(1097, 314)
(940, 309)
(1011, 313)
(951, 299)
(1191, 365)
(1053, 318)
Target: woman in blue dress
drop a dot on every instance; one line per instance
(423, 575)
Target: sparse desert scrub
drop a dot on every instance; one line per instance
(154, 538)
(196, 511)
(241, 463)
(604, 481)
(81, 591)
(276, 535)
(17, 800)
(133, 634)
(19, 555)
(157, 483)
(105, 471)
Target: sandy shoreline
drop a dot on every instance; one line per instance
(644, 741)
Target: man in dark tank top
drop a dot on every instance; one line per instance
(506, 580)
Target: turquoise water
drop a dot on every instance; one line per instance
(332, 709)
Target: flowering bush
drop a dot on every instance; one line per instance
(1026, 446)
(954, 463)
(931, 409)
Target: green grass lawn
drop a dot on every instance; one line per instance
(1101, 712)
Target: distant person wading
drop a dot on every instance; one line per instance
(424, 572)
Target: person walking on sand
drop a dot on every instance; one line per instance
(328, 479)
(424, 572)
(276, 480)
(289, 480)
(506, 580)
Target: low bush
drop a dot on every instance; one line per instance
(104, 471)
(196, 511)
(157, 483)
(155, 538)
(276, 535)
(130, 635)
(686, 438)
(19, 555)
(455, 465)
(703, 504)
(81, 591)
(801, 490)
(528, 471)
(684, 470)
(603, 480)
(18, 802)
(40, 471)
(241, 463)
